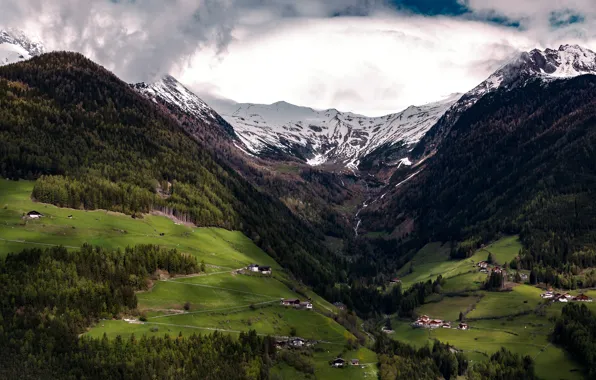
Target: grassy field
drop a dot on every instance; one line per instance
(448, 308)
(321, 360)
(504, 250)
(219, 300)
(518, 319)
(218, 247)
(433, 260)
(523, 298)
(526, 335)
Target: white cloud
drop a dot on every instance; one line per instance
(373, 65)
(264, 51)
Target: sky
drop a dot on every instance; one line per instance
(371, 57)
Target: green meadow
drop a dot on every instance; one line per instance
(517, 319)
(220, 299)
(217, 247)
(433, 260)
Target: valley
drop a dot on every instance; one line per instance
(220, 299)
(193, 239)
(518, 319)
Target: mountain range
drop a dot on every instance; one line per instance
(331, 138)
(339, 203)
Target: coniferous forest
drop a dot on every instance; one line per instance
(48, 297)
(91, 142)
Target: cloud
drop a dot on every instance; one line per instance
(373, 65)
(264, 51)
(142, 39)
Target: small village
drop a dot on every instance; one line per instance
(564, 297)
(487, 268)
(426, 322)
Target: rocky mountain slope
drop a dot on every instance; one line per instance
(171, 93)
(567, 61)
(328, 136)
(15, 46)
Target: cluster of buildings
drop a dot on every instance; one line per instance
(486, 268)
(296, 303)
(340, 363)
(426, 322)
(565, 297)
(259, 269)
(285, 342)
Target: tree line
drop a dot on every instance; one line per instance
(48, 297)
(92, 142)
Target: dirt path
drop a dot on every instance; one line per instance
(44, 244)
(213, 310)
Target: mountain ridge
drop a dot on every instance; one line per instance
(320, 137)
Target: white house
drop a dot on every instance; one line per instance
(264, 269)
(34, 215)
(338, 363)
(253, 268)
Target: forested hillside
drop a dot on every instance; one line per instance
(49, 297)
(519, 161)
(93, 142)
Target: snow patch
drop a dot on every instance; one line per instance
(330, 135)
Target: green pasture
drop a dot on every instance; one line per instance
(448, 308)
(219, 247)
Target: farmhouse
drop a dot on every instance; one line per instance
(483, 264)
(582, 298)
(547, 295)
(297, 342)
(306, 305)
(338, 363)
(463, 326)
(253, 268)
(339, 305)
(426, 322)
(290, 302)
(355, 362)
(34, 215)
(285, 342)
(265, 270)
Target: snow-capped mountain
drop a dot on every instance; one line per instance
(170, 92)
(328, 136)
(566, 62)
(15, 46)
(547, 65)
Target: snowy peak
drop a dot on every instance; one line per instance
(326, 136)
(15, 46)
(566, 62)
(173, 92)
